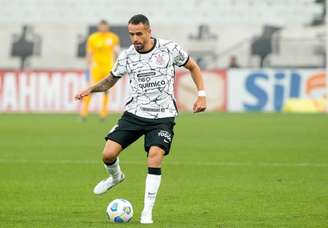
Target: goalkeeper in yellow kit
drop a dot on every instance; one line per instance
(102, 49)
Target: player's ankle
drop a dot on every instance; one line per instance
(147, 211)
(117, 176)
(109, 163)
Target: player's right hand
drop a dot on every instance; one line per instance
(82, 94)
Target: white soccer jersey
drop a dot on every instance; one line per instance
(151, 78)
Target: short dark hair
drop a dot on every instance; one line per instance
(103, 22)
(139, 18)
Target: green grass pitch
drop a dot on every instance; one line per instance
(224, 170)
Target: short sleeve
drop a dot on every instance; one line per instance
(180, 56)
(120, 67)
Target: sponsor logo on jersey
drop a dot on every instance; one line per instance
(152, 109)
(152, 84)
(179, 58)
(146, 74)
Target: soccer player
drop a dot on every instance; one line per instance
(150, 109)
(102, 48)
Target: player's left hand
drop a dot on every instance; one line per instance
(200, 104)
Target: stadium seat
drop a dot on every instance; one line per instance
(232, 21)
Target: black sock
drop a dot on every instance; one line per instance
(154, 171)
(110, 163)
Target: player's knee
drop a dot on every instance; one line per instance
(111, 151)
(155, 156)
(109, 156)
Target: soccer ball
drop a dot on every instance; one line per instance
(119, 211)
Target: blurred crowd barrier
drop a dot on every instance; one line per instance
(38, 34)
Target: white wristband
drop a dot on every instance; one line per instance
(201, 93)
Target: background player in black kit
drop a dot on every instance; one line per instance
(150, 110)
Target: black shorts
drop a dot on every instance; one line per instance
(157, 132)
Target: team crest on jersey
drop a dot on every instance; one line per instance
(159, 59)
(109, 42)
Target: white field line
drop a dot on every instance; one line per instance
(189, 163)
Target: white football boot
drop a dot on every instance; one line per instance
(146, 217)
(107, 184)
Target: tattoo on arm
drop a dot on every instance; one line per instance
(104, 84)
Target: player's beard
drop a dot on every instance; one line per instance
(138, 46)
